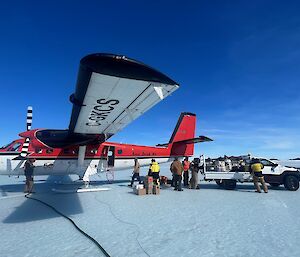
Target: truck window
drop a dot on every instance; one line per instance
(266, 162)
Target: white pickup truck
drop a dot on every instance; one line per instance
(274, 174)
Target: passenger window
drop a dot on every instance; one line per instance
(38, 150)
(94, 151)
(66, 151)
(49, 151)
(120, 151)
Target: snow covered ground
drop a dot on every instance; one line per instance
(206, 222)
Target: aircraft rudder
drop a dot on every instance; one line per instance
(185, 127)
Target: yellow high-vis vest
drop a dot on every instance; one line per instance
(154, 167)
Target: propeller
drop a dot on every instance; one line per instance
(24, 151)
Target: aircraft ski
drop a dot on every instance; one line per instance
(81, 190)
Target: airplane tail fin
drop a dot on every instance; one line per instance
(183, 138)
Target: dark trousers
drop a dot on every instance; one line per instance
(186, 178)
(177, 182)
(28, 184)
(155, 176)
(137, 176)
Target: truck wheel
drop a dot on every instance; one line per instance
(229, 184)
(275, 184)
(291, 183)
(218, 182)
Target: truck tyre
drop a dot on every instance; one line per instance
(275, 184)
(218, 182)
(291, 183)
(229, 184)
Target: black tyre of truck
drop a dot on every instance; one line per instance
(218, 182)
(229, 184)
(275, 184)
(291, 183)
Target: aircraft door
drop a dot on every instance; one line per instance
(111, 156)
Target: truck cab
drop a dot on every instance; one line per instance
(276, 175)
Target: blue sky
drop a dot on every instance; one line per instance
(237, 62)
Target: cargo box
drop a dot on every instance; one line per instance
(148, 180)
(156, 190)
(149, 190)
(149, 184)
(139, 186)
(140, 191)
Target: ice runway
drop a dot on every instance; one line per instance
(206, 222)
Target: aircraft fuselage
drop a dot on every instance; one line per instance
(98, 158)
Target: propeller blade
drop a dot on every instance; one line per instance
(25, 146)
(24, 151)
(29, 117)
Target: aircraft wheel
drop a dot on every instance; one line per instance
(291, 183)
(229, 184)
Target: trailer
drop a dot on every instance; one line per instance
(274, 174)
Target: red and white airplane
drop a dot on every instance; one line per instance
(111, 92)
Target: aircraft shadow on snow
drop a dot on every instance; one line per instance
(31, 210)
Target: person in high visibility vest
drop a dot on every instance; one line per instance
(186, 167)
(154, 170)
(256, 170)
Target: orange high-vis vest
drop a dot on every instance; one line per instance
(186, 165)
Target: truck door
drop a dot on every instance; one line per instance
(269, 167)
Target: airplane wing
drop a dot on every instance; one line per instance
(112, 91)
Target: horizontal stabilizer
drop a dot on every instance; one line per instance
(199, 139)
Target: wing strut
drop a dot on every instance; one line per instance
(81, 155)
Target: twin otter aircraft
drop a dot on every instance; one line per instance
(111, 91)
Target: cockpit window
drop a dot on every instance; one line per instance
(14, 147)
(5, 146)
